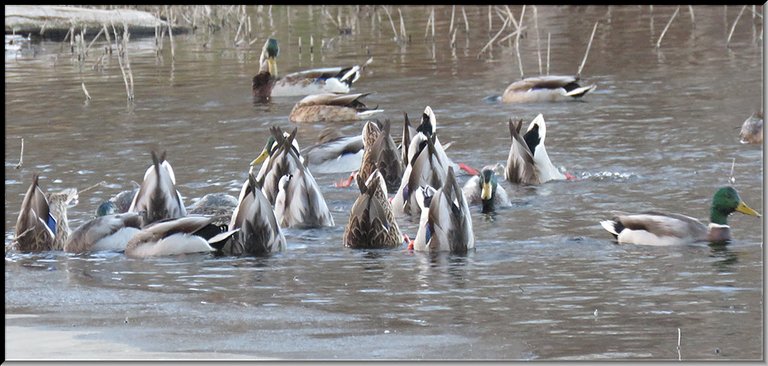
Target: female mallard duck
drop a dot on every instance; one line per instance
(335, 154)
(268, 84)
(528, 162)
(658, 228)
(484, 189)
(445, 224)
(42, 222)
(173, 236)
(372, 224)
(548, 88)
(381, 154)
(331, 107)
(105, 233)
(120, 203)
(157, 197)
(752, 130)
(217, 205)
(253, 229)
(299, 202)
(427, 164)
(278, 162)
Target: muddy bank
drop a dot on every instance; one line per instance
(54, 22)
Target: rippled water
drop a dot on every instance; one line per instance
(546, 281)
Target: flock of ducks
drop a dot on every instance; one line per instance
(281, 192)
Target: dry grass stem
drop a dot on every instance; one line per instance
(21, 155)
(658, 43)
(589, 45)
(727, 42)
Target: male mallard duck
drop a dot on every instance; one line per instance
(752, 129)
(335, 154)
(381, 154)
(484, 189)
(42, 222)
(549, 88)
(528, 162)
(173, 236)
(253, 229)
(331, 107)
(120, 203)
(299, 202)
(445, 224)
(104, 233)
(427, 165)
(278, 162)
(372, 223)
(267, 83)
(658, 228)
(157, 197)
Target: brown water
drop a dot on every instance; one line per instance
(546, 281)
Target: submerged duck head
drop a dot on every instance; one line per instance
(725, 202)
(271, 146)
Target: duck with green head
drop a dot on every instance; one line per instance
(484, 189)
(267, 83)
(658, 228)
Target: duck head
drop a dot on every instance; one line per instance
(488, 184)
(725, 202)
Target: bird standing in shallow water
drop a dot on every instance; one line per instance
(659, 228)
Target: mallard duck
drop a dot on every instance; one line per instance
(658, 228)
(427, 164)
(278, 162)
(372, 223)
(105, 233)
(173, 236)
(299, 202)
(267, 82)
(445, 224)
(528, 162)
(253, 229)
(42, 222)
(484, 189)
(752, 130)
(217, 205)
(157, 197)
(334, 154)
(331, 107)
(381, 154)
(120, 203)
(548, 88)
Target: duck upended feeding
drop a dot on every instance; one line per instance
(372, 223)
(42, 221)
(217, 205)
(174, 236)
(381, 154)
(659, 228)
(547, 88)
(277, 161)
(427, 165)
(485, 190)
(299, 202)
(752, 130)
(331, 107)
(528, 161)
(445, 223)
(157, 197)
(267, 83)
(253, 229)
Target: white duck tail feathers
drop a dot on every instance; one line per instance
(157, 196)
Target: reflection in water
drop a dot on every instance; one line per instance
(725, 257)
